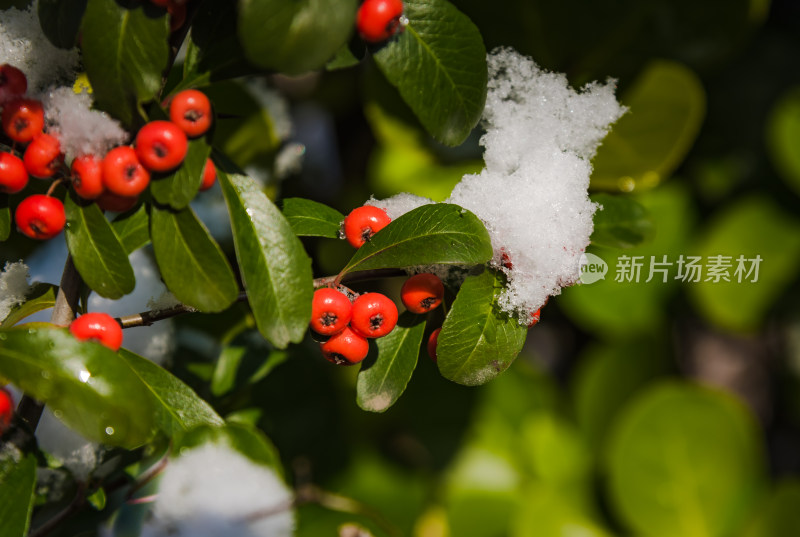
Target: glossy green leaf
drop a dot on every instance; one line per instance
(133, 228)
(685, 460)
(746, 231)
(545, 512)
(181, 186)
(384, 374)
(178, 407)
(61, 20)
(294, 37)
(192, 264)
(783, 137)
(125, 52)
(86, 384)
(432, 234)
(621, 223)
(439, 66)
(780, 515)
(249, 441)
(312, 219)
(666, 108)
(275, 268)
(40, 297)
(5, 217)
(17, 493)
(478, 341)
(247, 359)
(96, 250)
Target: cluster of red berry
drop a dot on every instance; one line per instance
(114, 180)
(378, 20)
(348, 320)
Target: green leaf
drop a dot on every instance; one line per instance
(478, 341)
(752, 228)
(294, 37)
(192, 264)
(5, 217)
(555, 450)
(621, 223)
(545, 511)
(96, 250)
(86, 384)
(97, 499)
(245, 360)
(312, 219)
(40, 297)
(783, 137)
(439, 66)
(685, 460)
(780, 516)
(275, 268)
(432, 234)
(17, 493)
(384, 375)
(125, 52)
(181, 186)
(61, 20)
(133, 228)
(178, 407)
(249, 441)
(667, 107)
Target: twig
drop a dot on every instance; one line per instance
(76, 503)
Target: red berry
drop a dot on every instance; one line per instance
(345, 348)
(363, 222)
(535, 317)
(43, 156)
(330, 311)
(40, 217)
(123, 174)
(100, 327)
(6, 409)
(209, 175)
(433, 340)
(13, 176)
(161, 146)
(422, 293)
(108, 201)
(87, 176)
(177, 15)
(191, 111)
(378, 20)
(374, 315)
(23, 119)
(12, 82)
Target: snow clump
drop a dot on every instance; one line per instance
(214, 491)
(13, 287)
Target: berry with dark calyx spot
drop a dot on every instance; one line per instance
(6, 409)
(161, 146)
(13, 175)
(433, 340)
(123, 174)
(108, 201)
(330, 311)
(100, 327)
(13, 82)
(345, 348)
(190, 110)
(209, 175)
(40, 217)
(374, 315)
(363, 222)
(87, 176)
(422, 293)
(378, 20)
(23, 119)
(43, 156)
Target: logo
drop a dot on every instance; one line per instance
(591, 269)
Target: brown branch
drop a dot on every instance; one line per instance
(75, 505)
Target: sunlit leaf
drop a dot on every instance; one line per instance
(311, 218)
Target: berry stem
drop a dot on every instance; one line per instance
(53, 186)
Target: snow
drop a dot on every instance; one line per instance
(532, 196)
(13, 287)
(214, 491)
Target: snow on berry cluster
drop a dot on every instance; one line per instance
(541, 135)
(213, 490)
